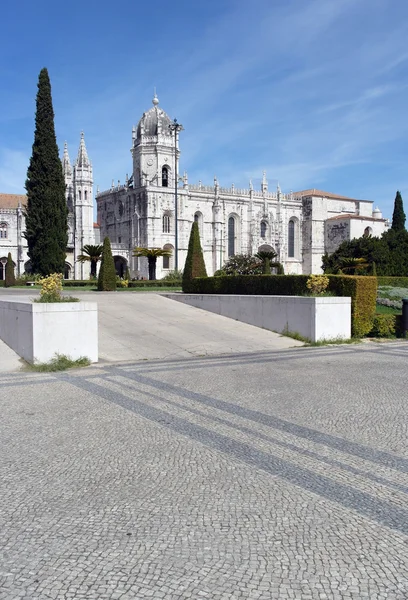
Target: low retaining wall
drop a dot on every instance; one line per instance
(313, 318)
(38, 331)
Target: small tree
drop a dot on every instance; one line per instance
(92, 254)
(107, 272)
(266, 256)
(398, 216)
(10, 277)
(152, 254)
(195, 265)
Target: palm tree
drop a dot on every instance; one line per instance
(266, 256)
(352, 265)
(151, 254)
(93, 254)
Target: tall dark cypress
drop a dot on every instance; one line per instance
(46, 212)
(398, 216)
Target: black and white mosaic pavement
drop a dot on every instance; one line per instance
(255, 476)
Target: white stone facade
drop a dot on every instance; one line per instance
(141, 212)
(299, 226)
(79, 195)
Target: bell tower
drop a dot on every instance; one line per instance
(153, 149)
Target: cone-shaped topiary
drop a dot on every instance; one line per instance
(107, 272)
(10, 277)
(46, 212)
(194, 266)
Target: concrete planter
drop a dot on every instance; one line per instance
(38, 331)
(313, 318)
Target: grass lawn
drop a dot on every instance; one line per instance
(387, 310)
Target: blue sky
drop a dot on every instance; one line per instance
(313, 91)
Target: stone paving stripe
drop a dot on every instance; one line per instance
(349, 447)
(363, 503)
(255, 433)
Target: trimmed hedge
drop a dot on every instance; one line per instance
(393, 281)
(79, 283)
(156, 283)
(361, 289)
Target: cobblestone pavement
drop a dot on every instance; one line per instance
(255, 476)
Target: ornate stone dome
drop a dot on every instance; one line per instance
(154, 121)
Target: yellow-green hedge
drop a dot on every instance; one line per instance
(363, 292)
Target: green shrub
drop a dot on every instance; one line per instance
(107, 272)
(10, 278)
(173, 276)
(361, 289)
(383, 326)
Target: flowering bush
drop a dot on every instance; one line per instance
(317, 284)
(124, 283)
(51, 288)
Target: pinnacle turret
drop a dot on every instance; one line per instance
(82, 159)
(66, 163)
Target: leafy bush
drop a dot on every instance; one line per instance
(317, 284)
(384, 326)
(173, 276)
(361, 289)
(241, 264)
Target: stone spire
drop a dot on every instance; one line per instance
(82, 160)
(66, 163)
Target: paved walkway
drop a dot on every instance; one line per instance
(275, 475)
(143, 325)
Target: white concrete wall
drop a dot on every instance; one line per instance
(39, 331)
(313, 318)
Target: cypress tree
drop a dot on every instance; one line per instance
(107, 272)
(398, 216)
(46, 213)
(194, 266)
(10, 277)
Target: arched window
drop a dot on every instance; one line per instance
(231, 236)
(291, 239)
(85, 195)
(165, 177)
(67, 271)
(166, 223)
(263, 229)
(367, 232)
(79, 195)
(168, 260)
(3, 231)
(198, 218)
